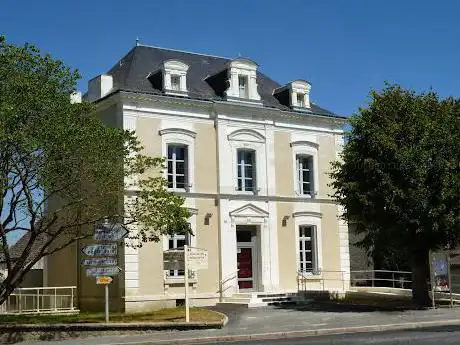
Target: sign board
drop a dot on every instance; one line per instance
(100, 249)
(103, 280)
(440, 272)
(102, 271)
(173, 260)
(112, 261)
(110, 232)
(198, 259)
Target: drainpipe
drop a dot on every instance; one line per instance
(219, 227)
(268, 200)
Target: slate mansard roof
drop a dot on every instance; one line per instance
(132, 73)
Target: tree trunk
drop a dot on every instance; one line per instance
(420, 278)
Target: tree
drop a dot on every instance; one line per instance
(62, 170)
(399, 177)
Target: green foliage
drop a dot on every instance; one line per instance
(400, 172)
(399, 177)
(62, 170)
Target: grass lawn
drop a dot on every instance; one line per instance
(163, 315)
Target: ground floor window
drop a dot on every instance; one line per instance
(308, 249)
(176, 242)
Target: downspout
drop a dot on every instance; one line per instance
(268, 199)
(217, 200)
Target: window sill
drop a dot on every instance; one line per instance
(178, 280)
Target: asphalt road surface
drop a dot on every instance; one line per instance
(438, 336)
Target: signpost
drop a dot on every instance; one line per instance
(186, 259)
(103, 280)
(99, 262)
(103, 256)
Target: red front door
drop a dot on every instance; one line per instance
(245, 273)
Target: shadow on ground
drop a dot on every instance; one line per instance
(343, 307)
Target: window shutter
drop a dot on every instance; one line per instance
(186, 171)
(312, 174)
(299, 175)
(254, 173)
(314, 247)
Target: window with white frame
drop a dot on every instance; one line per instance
(243, 86)
(175, 82)
(176, 242)
(301, 100)
(308, 249)
(305, 173)
(177, 166)
(246, 166)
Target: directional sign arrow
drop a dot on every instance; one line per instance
(102, 271)
(100, 249)
(99, 262)
(110, 232)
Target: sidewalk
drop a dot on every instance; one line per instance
(274, 322)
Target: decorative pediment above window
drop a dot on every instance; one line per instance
(249, 212)
(180, 131)
(248, 135)
(304, 143)
(175, 77)
(307, 214)
(295, 94)
(242, 76)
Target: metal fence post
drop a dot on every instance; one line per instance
(71, 299)
(373, 277)
(55, 299)
(38, 300)
(393, 278)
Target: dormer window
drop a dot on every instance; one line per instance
(175, 82)
(175, 77)
(243, 86)
(295, 95)
(242, 77)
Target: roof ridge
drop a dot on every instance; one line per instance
(182, 51)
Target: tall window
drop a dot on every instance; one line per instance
(177, 166)
(175, 82)
(307, 249)
(301, 100)
(243, 86)
(246, 170)
(176, 242)
(305, 174)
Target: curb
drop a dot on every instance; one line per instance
(299, 334)
(66, 327)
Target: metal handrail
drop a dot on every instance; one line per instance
(44, 300)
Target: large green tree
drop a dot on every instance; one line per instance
(62, 170)
(399, 177)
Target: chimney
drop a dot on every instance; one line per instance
(99, 87)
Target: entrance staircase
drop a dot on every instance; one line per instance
(260, 299)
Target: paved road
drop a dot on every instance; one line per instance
(289, 319)
(438, 336)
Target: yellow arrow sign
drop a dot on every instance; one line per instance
(103, 280)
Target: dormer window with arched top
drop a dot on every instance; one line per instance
(295, 95)
(242, 77)
(175, 77)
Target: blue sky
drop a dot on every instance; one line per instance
(343, 48)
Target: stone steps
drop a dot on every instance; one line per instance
(260, 299)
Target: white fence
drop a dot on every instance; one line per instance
(41, 300)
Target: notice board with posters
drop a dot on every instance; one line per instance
(440, 271)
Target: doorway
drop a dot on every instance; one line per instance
(246, 257)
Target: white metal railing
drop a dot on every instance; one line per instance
(40, 300)
(381, 278)
(322, 280)
(229, 281)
